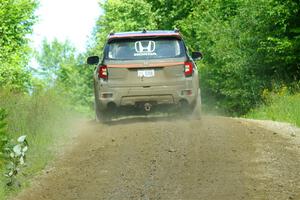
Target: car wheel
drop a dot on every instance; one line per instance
(197, 109)
(98, 114)
(185, 108)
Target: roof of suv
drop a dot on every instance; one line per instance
(144, 33)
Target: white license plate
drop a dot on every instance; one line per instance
(146, 73)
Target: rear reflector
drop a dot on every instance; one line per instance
(102, 73)
(188, 68)
(106, 95)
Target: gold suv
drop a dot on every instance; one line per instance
(146, 70)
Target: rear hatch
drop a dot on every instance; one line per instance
(145, 62)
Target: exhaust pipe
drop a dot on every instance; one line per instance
(147, 107)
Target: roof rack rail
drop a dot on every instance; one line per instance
(176, 30)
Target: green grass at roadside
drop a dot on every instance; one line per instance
(45, 119)
(284, 108)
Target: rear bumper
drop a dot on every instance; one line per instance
(131, 96)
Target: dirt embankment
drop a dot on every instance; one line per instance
(215, 158)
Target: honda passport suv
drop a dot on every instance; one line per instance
(146, 69)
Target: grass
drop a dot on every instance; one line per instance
(284, 108)
(44, 118)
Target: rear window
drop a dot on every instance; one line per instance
(137, 49)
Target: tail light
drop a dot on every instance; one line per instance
(103, 73)
(188, 69)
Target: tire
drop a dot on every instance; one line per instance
(185, 109)
(101, 116)
(197, 113)
(98, 115)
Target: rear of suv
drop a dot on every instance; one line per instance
(145, 70)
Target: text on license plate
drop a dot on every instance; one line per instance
(146, 73)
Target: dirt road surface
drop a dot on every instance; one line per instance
(209, 159)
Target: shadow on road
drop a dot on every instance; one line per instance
(142, 118)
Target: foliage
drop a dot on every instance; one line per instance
(280, 106)
(238, 53)
(17, 157)
(3, 134)
(65, 71)
(44, 116)
(51, 58)
(120, 15)
(167, 13)
(16, 20)
(15, 77)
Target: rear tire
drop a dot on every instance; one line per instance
(197, 113)
(98, 114)
(101, 116)
(184, 108)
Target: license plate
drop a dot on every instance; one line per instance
(146, 73)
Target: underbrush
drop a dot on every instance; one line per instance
(44, 118)
(280, 106)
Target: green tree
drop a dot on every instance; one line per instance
(16, 20)
(282, 44)
(52, 57)
(168, 12)
(240, 62)
(65, 71)
(120, 15)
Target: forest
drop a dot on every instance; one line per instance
(251, 58)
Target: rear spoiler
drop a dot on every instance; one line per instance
(143, 35)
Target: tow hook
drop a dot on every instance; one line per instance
(147, 107)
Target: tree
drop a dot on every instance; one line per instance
(16, 20)
(168, 12)
(65, 71)
(52, 57)
(240, 58)
(120, 15)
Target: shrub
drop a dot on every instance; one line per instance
(3, 135)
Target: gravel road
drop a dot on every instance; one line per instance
(215, 158)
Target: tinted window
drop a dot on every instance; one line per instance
(137, 49)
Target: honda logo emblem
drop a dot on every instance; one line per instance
(144, 48)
